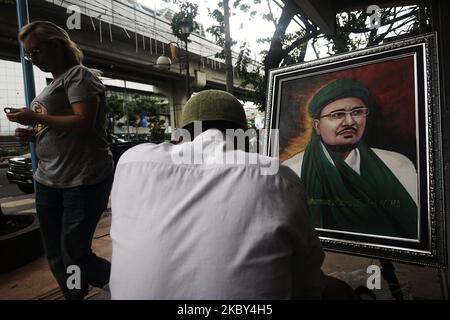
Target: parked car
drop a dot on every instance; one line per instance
(20, 171)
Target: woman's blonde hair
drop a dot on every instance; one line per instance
(46, 30)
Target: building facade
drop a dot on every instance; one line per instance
(12, 91)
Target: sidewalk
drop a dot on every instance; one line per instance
(35, 281)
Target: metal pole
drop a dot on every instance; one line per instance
(228, 54)
(188, 82)
(27, 70)
(125, 108)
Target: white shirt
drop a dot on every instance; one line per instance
(401, 166)
(209, 230)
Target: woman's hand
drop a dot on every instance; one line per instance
(24, 135)
(82, 120)
(23, 116)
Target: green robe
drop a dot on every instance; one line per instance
(374, 202)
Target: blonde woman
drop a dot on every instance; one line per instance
(74, 174)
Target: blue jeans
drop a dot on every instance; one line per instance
(68, 218)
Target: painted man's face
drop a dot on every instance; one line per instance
(342, 122)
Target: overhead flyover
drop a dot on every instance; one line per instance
(124, 42)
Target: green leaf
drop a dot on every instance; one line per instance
(244, 8)
(187, 11)
(268, 16)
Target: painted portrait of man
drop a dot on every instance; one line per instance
(351, 186)
(362, 131)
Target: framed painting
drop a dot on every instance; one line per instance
(363, 132)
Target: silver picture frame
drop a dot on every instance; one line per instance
(403, 80)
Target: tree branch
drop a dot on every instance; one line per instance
(381, 37)
(271, 13)
(392, 21)
(275, 50)
(313, 45)
(298, 42)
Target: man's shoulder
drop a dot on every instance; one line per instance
(147, 152)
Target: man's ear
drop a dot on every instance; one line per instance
(316, 125)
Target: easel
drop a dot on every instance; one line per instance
(388, 273)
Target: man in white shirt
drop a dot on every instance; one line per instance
(350, 186)
(201, 220)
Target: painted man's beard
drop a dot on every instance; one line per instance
(342, 147)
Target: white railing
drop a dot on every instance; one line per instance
(142, 25)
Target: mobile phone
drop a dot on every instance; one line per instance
(7, 109)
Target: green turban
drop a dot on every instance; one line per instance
(338, 89)
(214, 105)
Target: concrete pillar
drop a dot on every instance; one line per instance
(176, 93)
